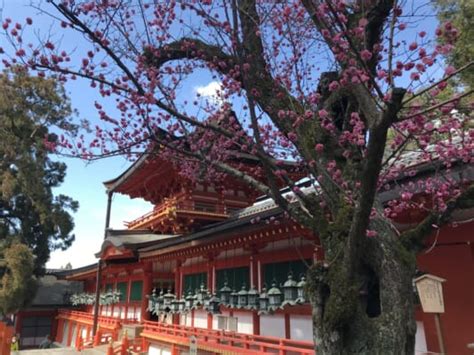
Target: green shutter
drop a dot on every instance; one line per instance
(236, 277)
(193, 282)
(279, 271)
(122, 288)
(136, 291)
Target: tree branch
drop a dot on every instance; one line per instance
(414, 238)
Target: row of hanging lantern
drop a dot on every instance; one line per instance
(265, 301)
(88, 299)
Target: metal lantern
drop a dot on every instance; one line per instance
(274, 297)
(189, 301)
(301, 290)
(252, 298)
(205, 301)
(151, 301)
(181, 305)
(225, 294)
(174, 306)
(290, 291)
(263, 303)
(168, 298)
(234, 298)
(201, 295)
(242, 297)
(214, 304)
(159, 303)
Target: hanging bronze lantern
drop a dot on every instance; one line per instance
(214, 304)
(201, 296)
(151, 301)
(274, 297)
(290, 291)
(225, 294)
(167, 299)
(252, 298)
(263, 303)
(159, 303)
(234, 299)
(181, 305)
(189, 302)
(301, 290)
(242, 295)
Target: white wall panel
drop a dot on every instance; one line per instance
(244, 322)
(301, 328)
(272, 325)
(200, 319)
(420, 339)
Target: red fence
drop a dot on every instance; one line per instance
(6, 334)
(224, 342)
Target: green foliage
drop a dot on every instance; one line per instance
(461, 14)
(18, 286)
(31, 110)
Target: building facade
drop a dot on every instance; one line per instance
(218, 269)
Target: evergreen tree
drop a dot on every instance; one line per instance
(31, 109)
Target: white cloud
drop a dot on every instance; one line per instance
(210, 91)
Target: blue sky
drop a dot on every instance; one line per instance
(84, 180)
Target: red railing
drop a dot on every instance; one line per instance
(221, 341)
(88, 318)
(6, 334)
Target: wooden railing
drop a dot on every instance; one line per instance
(88, 318)
(181, 204)
(6, 334)
(224, 342)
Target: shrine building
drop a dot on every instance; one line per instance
(217, 269)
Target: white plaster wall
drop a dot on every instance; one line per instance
(200, 319)
(420, 339)
(272, 325)
(156, 350)
(244, 322)
(189, 320)
(84, 333)
(116, 311)
(138, 314)
(214, 319)
(65, 333)
(301, 328)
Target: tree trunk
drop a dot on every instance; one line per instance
(368, 310)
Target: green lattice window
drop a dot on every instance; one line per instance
(136, 291)
(122, 288)
(109, 287)
(279, 271)
(236, 277)
(193, 282)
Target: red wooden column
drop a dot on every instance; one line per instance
(254, 281)
(147, 288)
(210, 284)
(127, 299)
(59, 333)
(177, 287)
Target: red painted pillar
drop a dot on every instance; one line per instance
(287, 326)
(127, 299)
(209, 321)
(59, 333)
(256, 323)
(147, 289)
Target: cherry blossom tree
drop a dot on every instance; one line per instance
(349, 91)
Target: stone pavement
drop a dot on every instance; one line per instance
(63, 351)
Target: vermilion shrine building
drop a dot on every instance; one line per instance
(201, 244)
